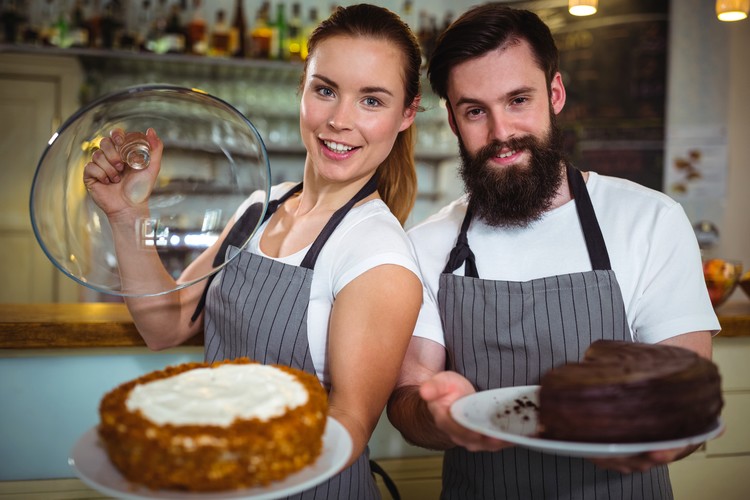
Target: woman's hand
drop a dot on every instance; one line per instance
(113, 185)
(440, 392)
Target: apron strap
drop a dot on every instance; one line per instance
(249, 220)
(239, 235)
(591, 231)
(461, 253)
(312, 255)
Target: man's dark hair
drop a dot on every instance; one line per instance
(487, 27)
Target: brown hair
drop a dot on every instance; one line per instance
(487, 27)
(397, 184)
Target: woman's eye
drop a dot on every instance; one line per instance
(371, 101)
(324, 91)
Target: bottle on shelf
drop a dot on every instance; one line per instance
(11, 19)
(60, 30)
(295, 38)
(196, 31)
(219, 45)
(145, 20)
(27, 30)
(174, 31)
(131, 38)
(112, 24)
(239, 32)
(79, 30)
(155, 40)
(47, 22)
(261, 34)
(280, 34)
(310, 25)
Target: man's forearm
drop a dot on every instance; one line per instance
(408, 413)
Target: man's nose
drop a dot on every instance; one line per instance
(500, 128)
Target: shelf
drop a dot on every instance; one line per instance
(229, 79)
(183, 64)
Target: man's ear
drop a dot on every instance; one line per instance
(557, 93)
(451, 118)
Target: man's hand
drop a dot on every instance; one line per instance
(440, 392)
(644, 461)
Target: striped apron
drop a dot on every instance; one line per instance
(504, 334)
(258, 308)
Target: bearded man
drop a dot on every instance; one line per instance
(534, 263)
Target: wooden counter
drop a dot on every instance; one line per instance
(734, 318)
(37, 326)
(45, 326)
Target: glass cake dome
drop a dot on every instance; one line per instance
(213, 160)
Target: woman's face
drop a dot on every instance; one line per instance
(352, 106)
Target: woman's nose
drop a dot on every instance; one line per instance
(340, 119)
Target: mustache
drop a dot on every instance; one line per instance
(494, 148)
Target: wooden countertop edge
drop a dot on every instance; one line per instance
(80, 325)
(96, 325)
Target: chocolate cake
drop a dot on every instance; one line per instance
(625, 392)
(213, 427)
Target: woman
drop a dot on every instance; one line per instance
(334, 242)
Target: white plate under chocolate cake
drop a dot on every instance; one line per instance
(212, 427)
(625, 392)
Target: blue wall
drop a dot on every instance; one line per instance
(48, 401)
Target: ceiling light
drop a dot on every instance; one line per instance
(732, 10)
(585, 7)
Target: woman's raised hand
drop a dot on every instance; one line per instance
(113, 185)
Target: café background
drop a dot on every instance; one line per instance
(708, 76)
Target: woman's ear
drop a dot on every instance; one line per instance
(410, 114)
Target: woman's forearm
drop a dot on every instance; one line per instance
(161, 319)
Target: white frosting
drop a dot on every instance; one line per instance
(216, 396)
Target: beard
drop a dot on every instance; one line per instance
(516, 195)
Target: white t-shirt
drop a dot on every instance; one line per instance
(369, 236)
(651, 245)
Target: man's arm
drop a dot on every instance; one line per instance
(699, 342)
(407, 411)
(420, 405)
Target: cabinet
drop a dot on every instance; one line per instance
(719, 469)
(37, 93)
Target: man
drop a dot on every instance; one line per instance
(537, 261)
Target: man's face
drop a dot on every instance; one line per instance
(515, 195)
(503, 115)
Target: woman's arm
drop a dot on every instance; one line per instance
(371, 323)
(122, 193)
